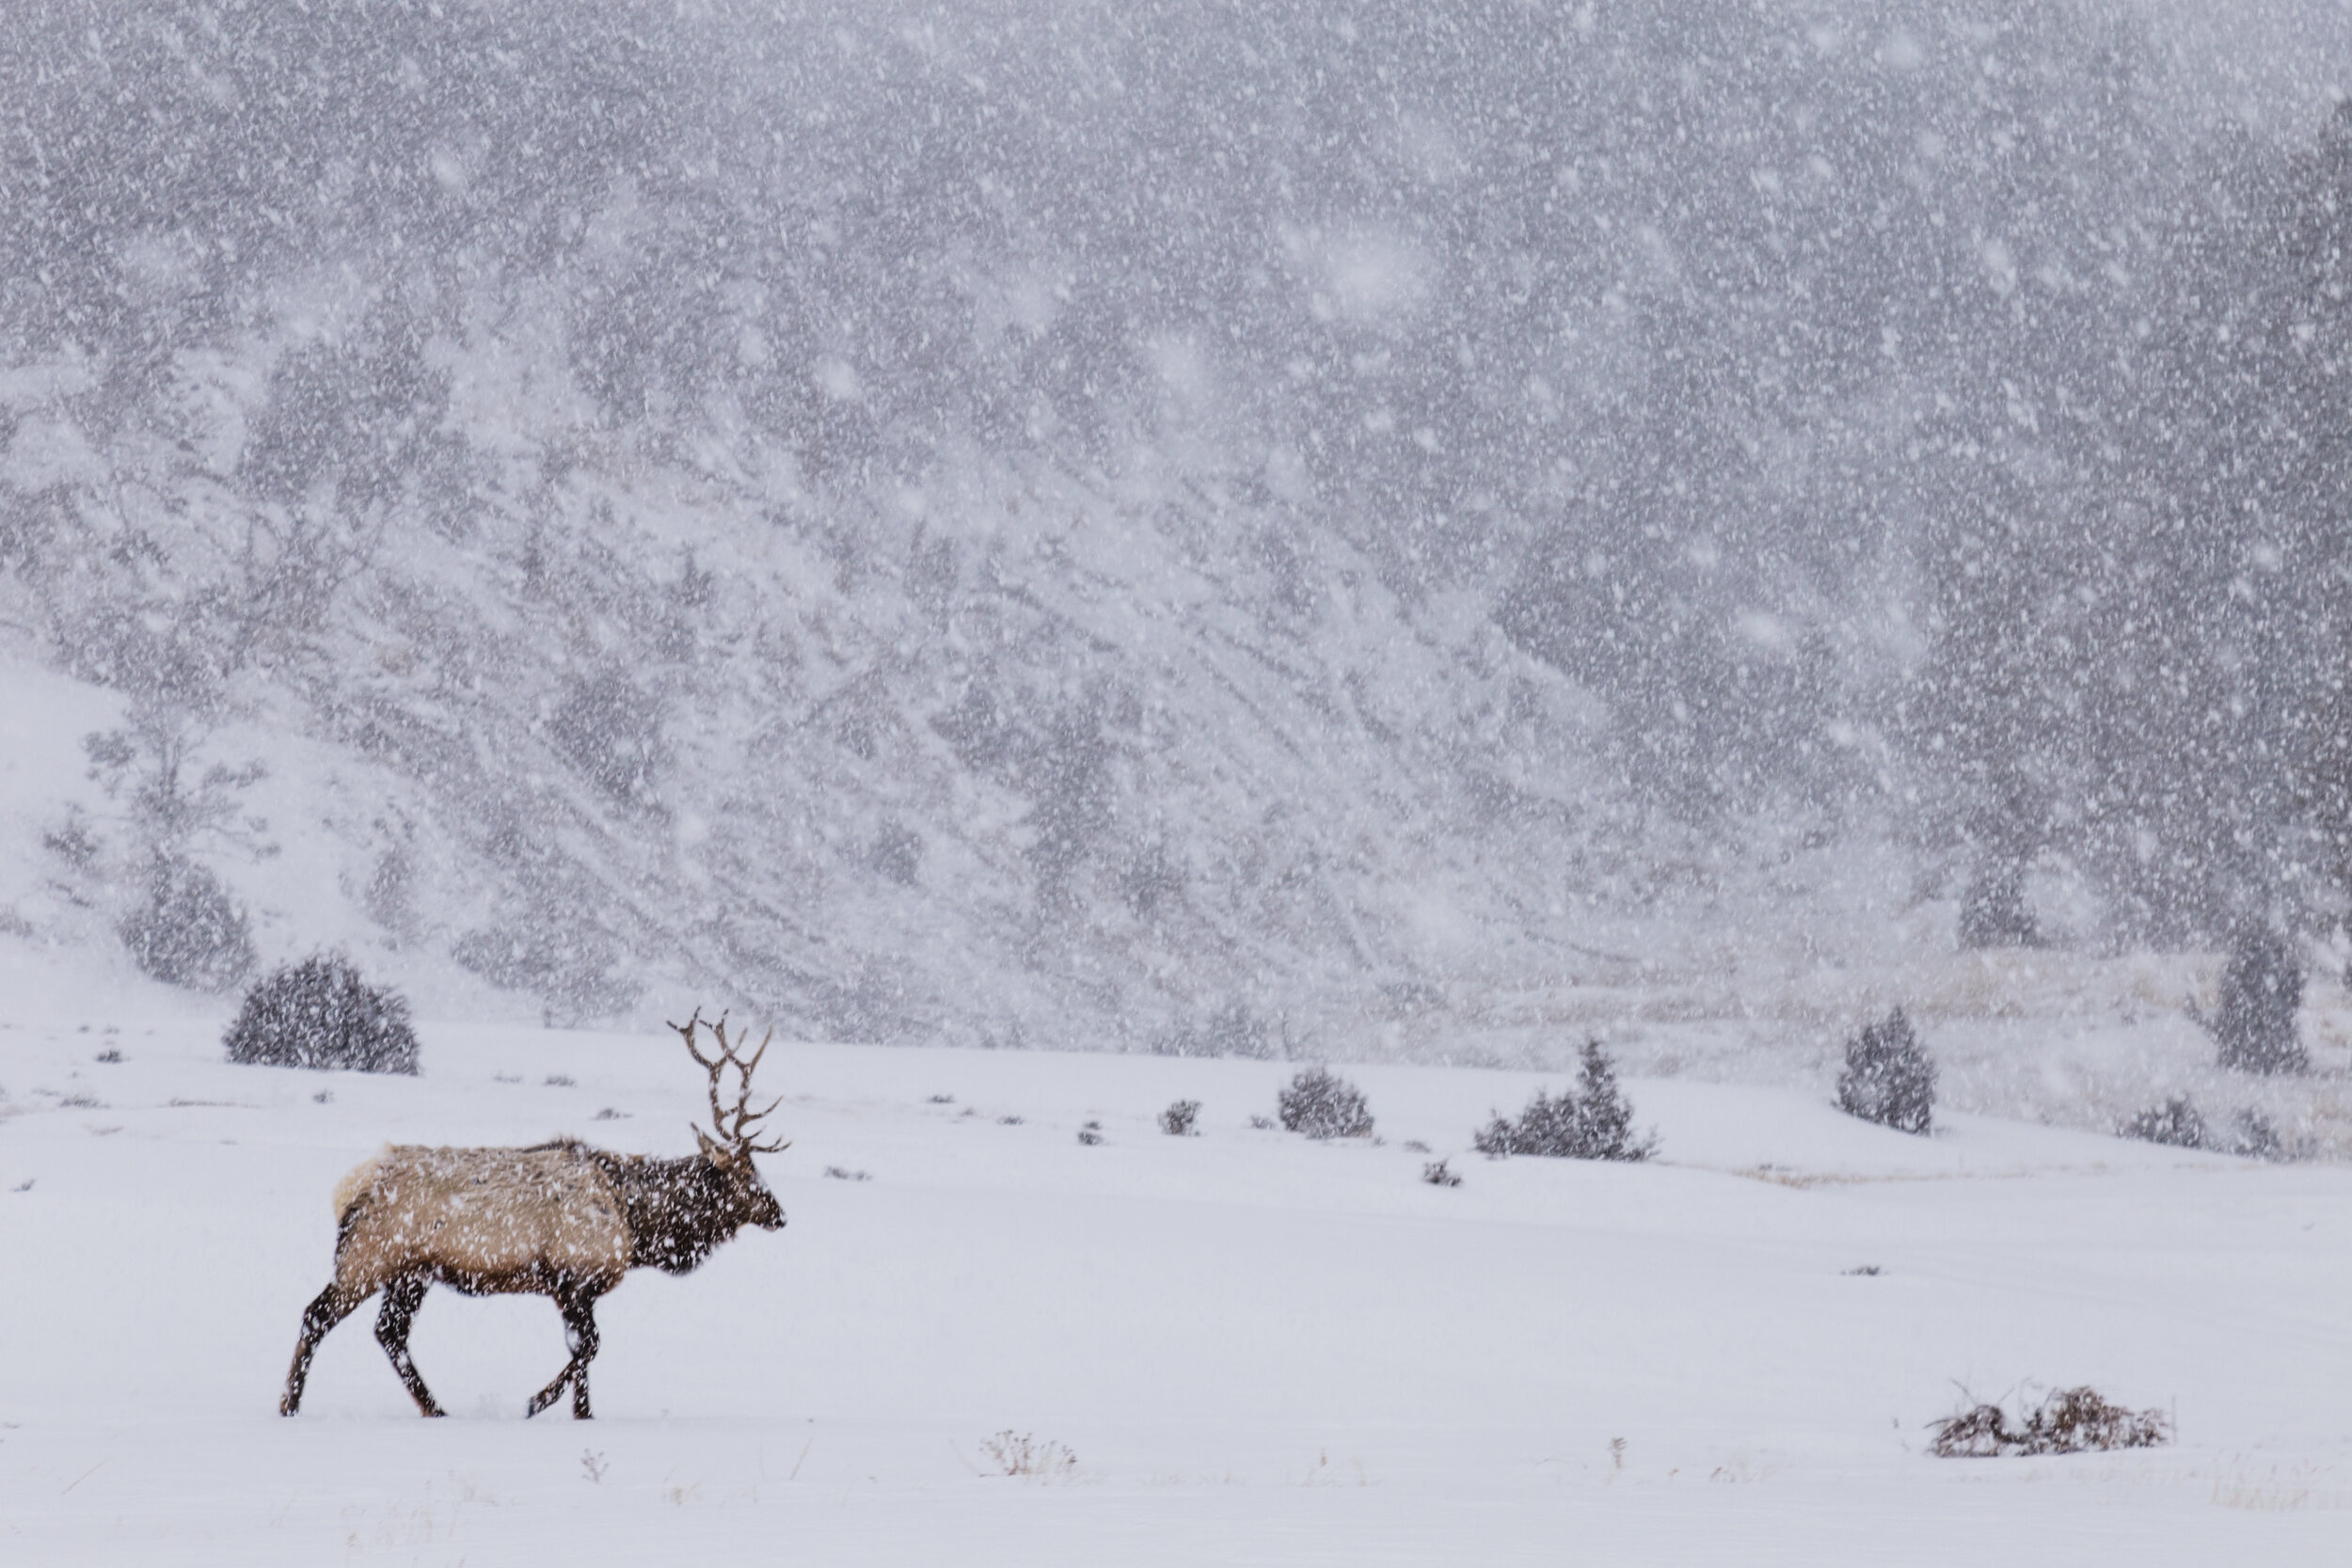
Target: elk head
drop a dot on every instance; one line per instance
(736, 1193)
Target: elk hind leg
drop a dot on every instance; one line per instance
(579, 1333)
(331, 1307)
(402, 1297)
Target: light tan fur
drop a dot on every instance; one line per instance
(481, 1219)
(347, 1190)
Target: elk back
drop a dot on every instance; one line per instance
(480, 1219)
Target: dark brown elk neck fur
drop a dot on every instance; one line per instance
(678, 1211)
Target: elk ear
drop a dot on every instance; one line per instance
(713, 1150)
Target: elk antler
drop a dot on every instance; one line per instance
(735, 1128)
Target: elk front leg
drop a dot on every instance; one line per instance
(333, 1305)
(579, 1333)
(402, 1298)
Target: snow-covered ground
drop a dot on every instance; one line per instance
(1258, 1349)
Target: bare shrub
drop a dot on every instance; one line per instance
(2073, 1420)
(319, 1013)
(1439, 1174)
(1020, 1454)
(1594, 1123)
(1322, 1104)
(841, 1172)
(1090, 1134)
(1888, 1078)
(1176, 1121)
(1980, 1431)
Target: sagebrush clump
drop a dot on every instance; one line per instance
(2175, 1122)
(1176, 1121)
(319, 1013)
(2073, 1420)
(1594, 1123)
(1888, 1078)
(1322, 1104)
(2178, 1123)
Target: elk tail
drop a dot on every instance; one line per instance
(352, 1188)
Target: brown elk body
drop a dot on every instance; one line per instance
(556, 1219)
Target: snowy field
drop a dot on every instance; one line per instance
(1258, 1349)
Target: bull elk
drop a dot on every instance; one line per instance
(555, 1219)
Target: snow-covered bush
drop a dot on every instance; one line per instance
(1322, 1104)
(1176, 1121)
(1992, 912)
(2261, 990)
(186, 931)
(1888, 1078)
(2073, 1420)
(1594, 1123)
(1439, 1173)
(319, 1013)
(2175, 1122)
(2258, 1139)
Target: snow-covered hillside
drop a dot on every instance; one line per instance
(1258, 1349)
(1344, 530)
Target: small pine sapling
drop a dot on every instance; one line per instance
(1888, 1078)
(1604, 1117)
(1594, 1123)
(1322, 1104)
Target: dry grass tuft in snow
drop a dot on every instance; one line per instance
(1024, 1455)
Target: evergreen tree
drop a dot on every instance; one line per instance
(187, 931)
(1889, 1078)
(1594, 1123)
(2261, 992)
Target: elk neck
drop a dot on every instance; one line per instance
(678, 1211)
